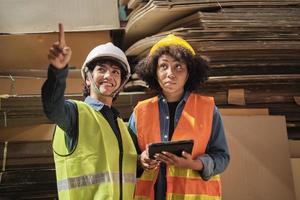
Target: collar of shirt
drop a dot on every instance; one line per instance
(184, 98)
(98, 105)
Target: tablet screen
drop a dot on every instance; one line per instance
(175, 147)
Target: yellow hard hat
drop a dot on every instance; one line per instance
(171, 40)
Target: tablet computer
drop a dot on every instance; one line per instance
(174, 147)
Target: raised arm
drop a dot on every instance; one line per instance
(55, 107)
(60, 54)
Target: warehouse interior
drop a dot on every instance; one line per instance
(252, 48)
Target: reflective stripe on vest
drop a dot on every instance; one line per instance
(92, 170)
(190, 197)
(87, 180)
(195, 123)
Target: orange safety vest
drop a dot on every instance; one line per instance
(195, 123)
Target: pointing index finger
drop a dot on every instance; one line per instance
(61, 35)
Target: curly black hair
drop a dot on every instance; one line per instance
(197, 67)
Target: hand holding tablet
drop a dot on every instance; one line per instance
(174, 147)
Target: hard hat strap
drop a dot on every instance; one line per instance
(96, 89)
(121, 86)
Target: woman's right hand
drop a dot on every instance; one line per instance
(60, 54)
(146, 162)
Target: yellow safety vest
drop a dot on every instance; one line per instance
(195, 123)
(92, 170)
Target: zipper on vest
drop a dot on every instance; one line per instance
(121, 171)
(113, 122)
(120, 144)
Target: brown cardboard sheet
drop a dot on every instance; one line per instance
(33, 85)
(241, 111)
(294, 149)
(260, 167)
(34, 16)
(27, 133)
(144, 22)
(29, 51)
(296, 173)
(236, 97)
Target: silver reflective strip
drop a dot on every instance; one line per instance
(129, 178)
(81, 181)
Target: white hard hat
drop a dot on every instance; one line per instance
(107, 50)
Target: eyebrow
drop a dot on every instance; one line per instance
(111, 65)
(116, 67)
(174, 61)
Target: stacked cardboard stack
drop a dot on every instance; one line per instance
(253, 51)
(149, 17)
(27, 110)
(27, 170)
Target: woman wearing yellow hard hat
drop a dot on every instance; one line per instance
(173, 69)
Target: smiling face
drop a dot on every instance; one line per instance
(171, 76)
(107, 79)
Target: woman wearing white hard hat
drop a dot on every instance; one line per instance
(95, 156)
(106, 53)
